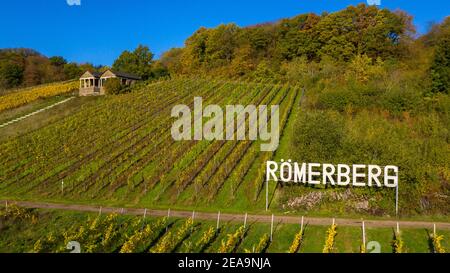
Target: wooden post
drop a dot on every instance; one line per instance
(364, 234)
(168, 216)
(100, 211)
(396, 200)
(301, 98)
(62, 187)
(334, 221)
(434, 230)
(301, 225)
(121, 211)
(145, 213)
(218, 220)
(271, 230)
(267, 195)
(6, 205)
(245, 220)
(193, 216)
(398, 228)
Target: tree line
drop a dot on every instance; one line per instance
(22, 67)
(358, 34)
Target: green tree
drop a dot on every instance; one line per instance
(172, 60)
(72, 71)
(363, 30)
(296, 37)
(158, 70)
(242, 64)
(57, 61)
(137, 62)
(264, 72)
(194, 54)
(440, 69)
(220, 44)
(11, 75)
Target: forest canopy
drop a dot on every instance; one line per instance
(236, 51)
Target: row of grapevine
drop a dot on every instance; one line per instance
(207, 162)
(330, 239)
(397, 243)
(94, 115)
(238, 150)
(113, 168)
(54, 157)
(49, 161)
(117, 153)
(207, 238)
(72, 124)
(142, 238)
(114, 233)
(213, 169)
(18, 98)
(296, 243)
(171, 241)
(97, 163)
(233, 240)
(436, 243)
(262, 245)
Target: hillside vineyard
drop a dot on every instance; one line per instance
(124, 151)
(358, 175)
(214, 129)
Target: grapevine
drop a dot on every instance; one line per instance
(171, 240)
(233, 240)
(435, 242)
(206, 239)
(262, 245)
(141, 239)
(296, 243)
(397, 243)
(331, 235)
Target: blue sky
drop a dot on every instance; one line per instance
(97, 31)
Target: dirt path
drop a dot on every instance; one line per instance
(226, 217)
(35, 112)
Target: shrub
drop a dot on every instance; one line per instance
(400, 100)
(337, 99)
(114, 86)
(318, 135)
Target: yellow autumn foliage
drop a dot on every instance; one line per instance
(436, 243)
(329, 243)
(296, 242)
(28, 95)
